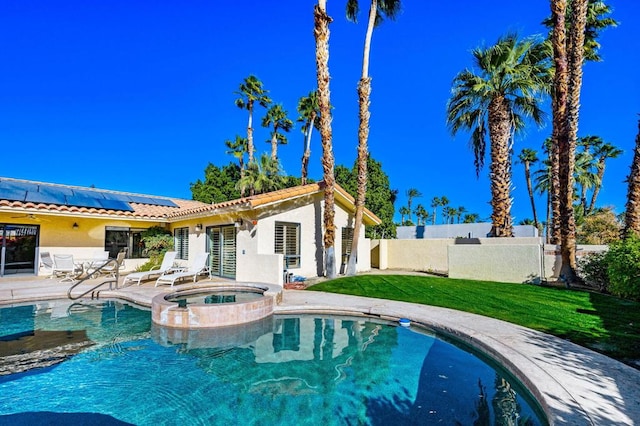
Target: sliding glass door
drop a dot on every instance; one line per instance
(18, 248)
(221, 245)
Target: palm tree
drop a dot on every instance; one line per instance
(238, 149)
(450, 213)
(277, 118)
(377, 9)
(602, 152)
(261, 176)
(435, 202)
(507, 87)
(321, 23)
(459, 212)
(251, 91)
(404, 211)
(411, 194)
(422, 215)
(632, 213)
(585, 177)
(568, 58)
(528, 157)
(471, 218)
(309, 115)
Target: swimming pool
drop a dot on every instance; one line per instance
(105, 363)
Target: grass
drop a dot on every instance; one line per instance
(603, 323)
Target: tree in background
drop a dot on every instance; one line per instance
(435, 203)
(238, 148)
(422, 215)
(309, 111)
(411, 194)
(602, 151)
(377, 9)
(219, 184)
(321, 23)
(251, 91)
(262, 176)
(506, 87)
(404, 211)
(600, 227)
(632, 212)
(528, 157)
(276, 117)
(380, 198)
(471, 218)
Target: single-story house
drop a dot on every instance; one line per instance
(259, 238)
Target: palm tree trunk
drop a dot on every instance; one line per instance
(575, 55)
(274, 146)
(632, 214)
(364, 99)
(499, 134)
(321, 33)
(250, 132)
(307, 150)
(527, 174)
(597, 186)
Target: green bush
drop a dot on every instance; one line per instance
(157, 241)
(592, 268)
(623, 268)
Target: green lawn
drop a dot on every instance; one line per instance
(602, 323)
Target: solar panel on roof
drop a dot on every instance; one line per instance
(45, 197)
(114, 196)
(80, 201)
(18, 186)
(88, 193)
(12, 194)
(141, 200)
(55, 189)
(115, 205)
(164, 202)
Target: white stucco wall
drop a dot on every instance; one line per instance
(496, 262)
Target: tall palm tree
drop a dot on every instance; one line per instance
(377, 8)
(435, 202)
(585, 177)
(507, 87)
(276, 117)
(459, 212)
(310, 117)
(602, 152)
(238, 148)
(321, 23)
(528, 157)
(251, 91)
(632, 213)
(411, 194)
(569, 57)
(422, 215)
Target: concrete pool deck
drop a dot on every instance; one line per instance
(574, 385)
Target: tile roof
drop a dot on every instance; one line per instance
(186, 208)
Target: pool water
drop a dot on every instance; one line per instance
(216, 297)
(114, 367)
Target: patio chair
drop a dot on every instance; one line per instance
(111, 268)
(198, 266)
(46, 262)
(167, 264)
(65, 267)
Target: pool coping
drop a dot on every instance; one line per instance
(574, 385)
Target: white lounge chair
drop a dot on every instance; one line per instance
(46, 262)
(198, 266)
(64, 266)
(111, 268)
(167, 264)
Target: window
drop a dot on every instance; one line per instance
(287, 242)
(347, 239)
(181, 237)
(118, 238)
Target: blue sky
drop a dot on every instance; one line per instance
(139, 96)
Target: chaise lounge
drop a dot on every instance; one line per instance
(167, 264)
(198, 266)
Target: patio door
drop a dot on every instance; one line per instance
(221, 245)
(18, 248)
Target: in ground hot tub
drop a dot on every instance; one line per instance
(218, 306)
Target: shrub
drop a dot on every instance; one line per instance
(623, 268)
(157, 241)
(592, 268)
